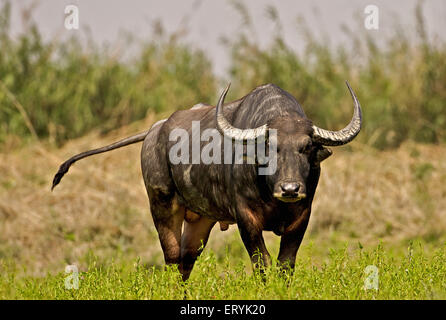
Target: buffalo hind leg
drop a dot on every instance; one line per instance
(168, 219)
(193, 240)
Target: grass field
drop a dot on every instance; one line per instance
(413, 274)
(388, 212)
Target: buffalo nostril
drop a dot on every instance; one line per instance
(290, 188)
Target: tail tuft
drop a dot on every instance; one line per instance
(61, 172)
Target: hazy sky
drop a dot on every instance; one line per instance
(208, 20)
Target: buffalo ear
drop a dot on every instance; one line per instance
(323, 154)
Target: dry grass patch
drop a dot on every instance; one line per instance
(101, 208)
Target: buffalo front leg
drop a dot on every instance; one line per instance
(291, 240)
(193, 240)
(250, 228)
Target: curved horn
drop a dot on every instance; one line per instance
(228, 130)
(337, 138)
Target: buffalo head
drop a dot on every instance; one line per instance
(300, 146)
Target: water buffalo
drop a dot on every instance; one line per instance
(188, 198)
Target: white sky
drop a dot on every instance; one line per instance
(209, 20)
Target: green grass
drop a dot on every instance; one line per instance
(412, 273)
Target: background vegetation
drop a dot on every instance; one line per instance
(380, 200)
(63, 89)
